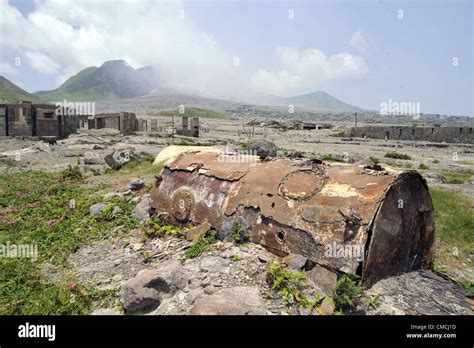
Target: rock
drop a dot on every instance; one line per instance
(147, 289)
(435, 178)
(470, 181)
(98, 147)
(135, 200)
(98, 208)
(263, 148)
(227, 254)
(239, 300)
(136, 184)
(295, 261)
(213, 264)
(117, 210)
(327, 306)
(193, 295)
(197, 231)
(112, 195)
(324, 278)
(455, 251)
(142, 210)
(419, 293)
(112, 162)
(92, 158)
(263, 257)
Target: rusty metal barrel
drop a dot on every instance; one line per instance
(346, 217)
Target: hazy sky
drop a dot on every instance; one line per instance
(363, 52)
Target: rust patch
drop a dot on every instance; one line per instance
(299, 207)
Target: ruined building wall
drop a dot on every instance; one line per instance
(434, 134)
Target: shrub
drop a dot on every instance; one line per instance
(397, 155)
(347, 291)
(201, 245)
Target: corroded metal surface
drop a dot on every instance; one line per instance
(316, 210)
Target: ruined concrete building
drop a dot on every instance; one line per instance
(35, 120)
(435, 134)
(189, 129)
(316, 210)
(125, 122)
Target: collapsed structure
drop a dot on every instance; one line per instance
(305, 208)
(125, 122)
(434, 134)
(34, 120)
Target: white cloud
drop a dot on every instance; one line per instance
(64, 37)
(42, 63)
(359, 42)
(303, 71)
(7, 69)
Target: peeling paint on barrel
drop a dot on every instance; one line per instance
(301, 207)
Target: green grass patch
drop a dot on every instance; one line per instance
(201, 245)
(454, 217)
(191, 112)
(397, 155)
(52, 212)
(333, 158)
(457, 177)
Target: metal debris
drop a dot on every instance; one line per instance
(372, 223)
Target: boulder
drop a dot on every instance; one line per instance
(149, 287)
(92, 158)
(295, 261)
(142, 210)
(136, 184)
(213, 264)
(263, 148)
(239, 300)
(419, 293)
(98, 208)
(435, 178)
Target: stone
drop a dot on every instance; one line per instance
(213, 264)
(142, 210)
(136, 184)
(435, 178)
(455, 251)
(197, 231)
(149, 287)
(98, 208)
(295, 261)
(263, 148)
(135, 200)
(112, 162)
(239, 300)
(324, 278)
(470, 181)
(263, 257)
(418, 293)
(327, 306)
(229, 253)
(193, 295)
(98, 147)
(92, 158)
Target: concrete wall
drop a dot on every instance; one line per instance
(28, 119)
(435, 134)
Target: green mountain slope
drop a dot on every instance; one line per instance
(11, 93)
